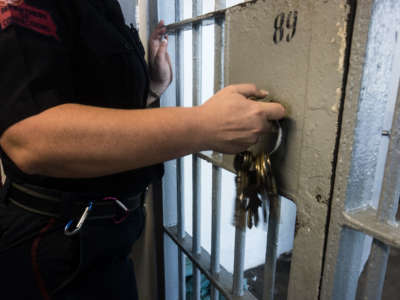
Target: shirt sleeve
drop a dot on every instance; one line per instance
(35, 58)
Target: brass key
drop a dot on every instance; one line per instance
(255, 186)
(269, 185)
(242, 164)
(254, 200)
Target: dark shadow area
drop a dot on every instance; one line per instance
(255, 278)
(391, 287)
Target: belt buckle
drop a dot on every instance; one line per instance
(120, 205)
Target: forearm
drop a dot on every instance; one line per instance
(73, 140)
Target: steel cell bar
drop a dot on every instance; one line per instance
(238, 266)
(366, 221)
(389, 197)
(188, 23)
(179, 50)
(179, 96)
(223, 281)
(182, 274)
(375, 270)
(220, 12)
(216, 227)
(196, 248)
(274, 220)
(216, 172)
(196, 48)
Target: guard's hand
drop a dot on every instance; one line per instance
(159, 60)
(233, 122)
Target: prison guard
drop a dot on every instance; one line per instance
(70, 51)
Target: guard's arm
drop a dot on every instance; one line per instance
(76, 141)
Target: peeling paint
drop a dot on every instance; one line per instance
(342, 35)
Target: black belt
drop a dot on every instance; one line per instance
(65, 205)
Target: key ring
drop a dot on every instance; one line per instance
(80, 223)
(278, 139)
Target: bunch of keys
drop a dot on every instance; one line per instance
(255, 185)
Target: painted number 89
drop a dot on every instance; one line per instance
(282, 22)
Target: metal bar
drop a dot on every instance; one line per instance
(216, 172)
(216, 162)
(179, 95)
(196, 20)
(375, 269)
(271, 258)
(182, 274)
(223, 281)
(219, 12)
(371, 288)
(196, 248)
(349, 263)
(216, 227)
(238, 267)
(196, 101)
(335, 259)
(389, 198)
(215, 159)
(367, 222)
(197, 6)
(157, 196)
(179, 50)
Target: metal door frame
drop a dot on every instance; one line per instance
(366, 204)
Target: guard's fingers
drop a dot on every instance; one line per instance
(160, 24)
(159, 31)
(249, 90)
(273, 111)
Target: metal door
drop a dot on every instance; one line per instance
(318, 57)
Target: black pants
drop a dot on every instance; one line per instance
(37, 261)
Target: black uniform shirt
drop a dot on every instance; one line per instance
(70, 51)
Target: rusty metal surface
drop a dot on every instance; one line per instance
(305, 71)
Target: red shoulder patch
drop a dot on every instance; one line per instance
(18, 12)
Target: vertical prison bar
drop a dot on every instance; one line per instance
(238, 265)
(388, 203)
(196, 8)
(375, 270)
(374, 49)
(179, 164)
(216, 227)
(216, 171)
(274, 219)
